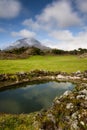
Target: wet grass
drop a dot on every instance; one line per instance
(51, 63)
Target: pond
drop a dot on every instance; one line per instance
(28, 98)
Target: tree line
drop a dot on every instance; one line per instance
(37, 51)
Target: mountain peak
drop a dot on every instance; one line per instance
(27, 42)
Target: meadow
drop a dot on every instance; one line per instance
(67, 63)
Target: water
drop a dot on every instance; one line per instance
(31, 97)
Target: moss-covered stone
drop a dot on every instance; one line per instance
(67, 112)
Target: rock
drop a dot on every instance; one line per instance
(82, 123)
(67, 93)
(75, 78)
(52, 77)
(74, 125)
(84, 104)
(84, 85)
(78, 72)
(64, 73)
(56, 101)
(60, 77)
(86, 98)
(69, 106)
(80, 97)
(84, 92)
(22, 73)
(67, 118)
(75, 115)
(51, 117)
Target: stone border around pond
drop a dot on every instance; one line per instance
(7, 80)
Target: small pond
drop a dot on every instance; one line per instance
(28, 98)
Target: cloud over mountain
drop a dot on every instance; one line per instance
(23, 33)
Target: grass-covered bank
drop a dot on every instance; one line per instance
(52, 63)
(17, 122)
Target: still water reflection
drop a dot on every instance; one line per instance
(31, 97)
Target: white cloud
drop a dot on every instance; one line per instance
(31, 24)
(82, 5)
(59, 13)
(56, 15)
(69, 42)
(9, 8)
(23, 33)
(71, 45)
(64, 35)
(48, 43)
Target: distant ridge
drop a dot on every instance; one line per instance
(27, 42)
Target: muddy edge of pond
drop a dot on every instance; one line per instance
(8, 80)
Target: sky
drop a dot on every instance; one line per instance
(58, 24)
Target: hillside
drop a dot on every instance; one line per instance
(20, 53)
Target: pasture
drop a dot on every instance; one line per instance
(51, 63)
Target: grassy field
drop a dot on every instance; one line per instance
(51, 63)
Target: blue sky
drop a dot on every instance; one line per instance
(56, 23)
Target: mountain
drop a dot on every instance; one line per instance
(27, 42)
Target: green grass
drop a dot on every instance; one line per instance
(51, 63)
(17, 122)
